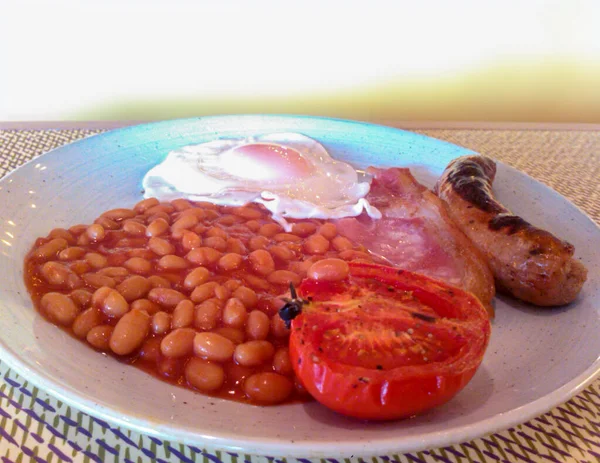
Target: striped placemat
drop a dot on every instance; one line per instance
(35, 426)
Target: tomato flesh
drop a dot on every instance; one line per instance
(386, 343)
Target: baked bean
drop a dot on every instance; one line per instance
(328, 230)
(232, 285)
(80, 267)
(258, 325)
(204, 291)
(150, 350)
(62, 233)
(256, 282)
(159, 282)
(269, 230)
(170, 367)
(199, 229)
(162, 208)
(131, 227)
(183, 314)
(190, 240)
(203, 375)
(196, 277)
(258, 242)
(236, 246)
(130, 332)
(50, 249)
(341, 243)
(206, 205)
(96, 281)
(222, 293)
(59, 308)
(281, 237)
(166, 297)
(161, 322)
(172, 262)
(230, 262)
(268, 388)
(119, 214)
(85, 321)
(253, 353)
(158, 216)
(229, 220)
(282, 363)
(301, 267)
(114, 272)
(316, 244)
(99, 337)
(236, 374)
(77, 230)
(261, 262)
(96, 232)
(99, 296)
(329, 270)
(207, 315)
(71, 253)
(81, 297)
(56, 273)
(114, 304)
(83, 239)
(178, 343)
(351, 254)
(145, 204)
(213, 346)
(247, 212)
(253, 225)
(185, 223)
(247, 296)
(181, 204)
(134, 287)
(235, 335)
(96, 260)
(216, 232)
(147, 305)
(131, 242)
(215, 242)
(160, 246)
(284, 277)
(106, 223)
(157, 227)
(282, 253)
(278, 328)
(303, 229)
(234, 313)
(203, 256)
(138, 265)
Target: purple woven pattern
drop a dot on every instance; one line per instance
(37, 427)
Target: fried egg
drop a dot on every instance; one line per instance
(292, 175)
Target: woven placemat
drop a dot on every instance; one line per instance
(37, 427)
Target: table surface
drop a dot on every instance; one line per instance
(35, 426)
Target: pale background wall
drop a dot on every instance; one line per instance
(431, 60)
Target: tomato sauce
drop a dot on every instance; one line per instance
(124, 283)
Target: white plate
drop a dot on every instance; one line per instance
(536, 359)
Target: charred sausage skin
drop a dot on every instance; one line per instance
(528, 262)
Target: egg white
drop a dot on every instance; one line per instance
(213, 172)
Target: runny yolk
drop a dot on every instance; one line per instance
(267, 161)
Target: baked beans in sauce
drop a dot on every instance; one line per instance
(186, 291)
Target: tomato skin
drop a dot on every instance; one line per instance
(406, 390)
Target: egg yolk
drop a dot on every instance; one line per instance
(266, 161)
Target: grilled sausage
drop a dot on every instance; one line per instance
(529, 263)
